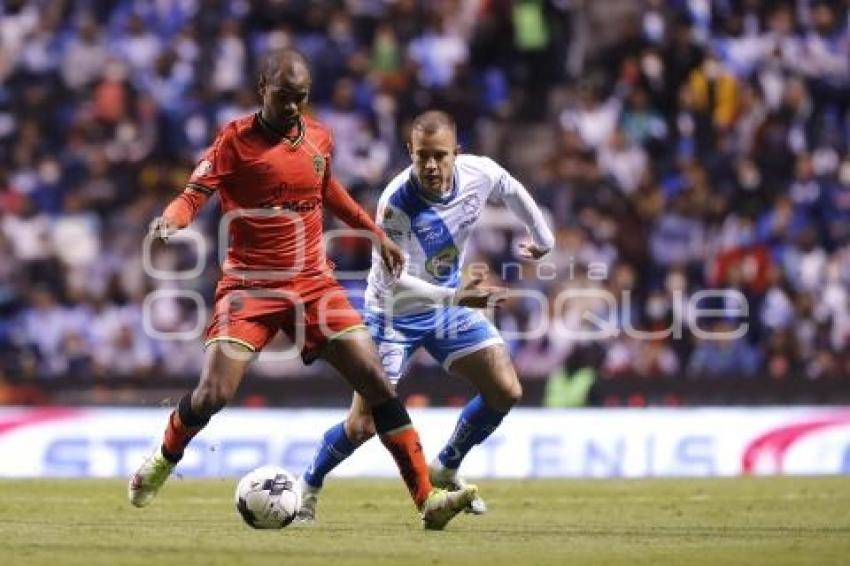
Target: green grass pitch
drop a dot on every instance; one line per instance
(659, 521)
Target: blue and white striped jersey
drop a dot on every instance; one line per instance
(434, 234)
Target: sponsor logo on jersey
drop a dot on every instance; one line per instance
(429, 232)
(305, 205)
(443, 263)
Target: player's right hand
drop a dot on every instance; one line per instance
(532, 251)
(392, 255)
(474, 296)
(161, 228)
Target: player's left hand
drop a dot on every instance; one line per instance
(530, 250)
(392, 255)
(474, 296)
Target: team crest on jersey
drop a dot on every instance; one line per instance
(319, 165)
(204, 167)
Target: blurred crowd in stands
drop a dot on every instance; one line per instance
(678, 146)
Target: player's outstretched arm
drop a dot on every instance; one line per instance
(346, 208)
(392, 255)
(411, 287)
(213, 172)
(516, 198)
(471, 295)
(178, 214)
(474, 296)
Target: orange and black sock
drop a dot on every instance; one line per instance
(397, 433)
(183, 425)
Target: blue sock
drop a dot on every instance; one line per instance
(477, 421)
(335, 448)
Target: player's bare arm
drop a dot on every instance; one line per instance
(180, 211)
(392, 255)
(476, 296)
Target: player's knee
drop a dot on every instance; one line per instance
(514, 392)
(359, 429)
(509, 395)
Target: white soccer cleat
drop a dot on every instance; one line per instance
(449, 479)
(309, 501)
(442, 506)
(150, 476)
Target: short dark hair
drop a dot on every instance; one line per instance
(432, 120)
(273, 60)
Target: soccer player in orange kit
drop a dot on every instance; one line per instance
(272, 172)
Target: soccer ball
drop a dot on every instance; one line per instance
(268, 498)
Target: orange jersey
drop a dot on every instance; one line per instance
(272, 192)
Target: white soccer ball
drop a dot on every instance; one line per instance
(268, 497)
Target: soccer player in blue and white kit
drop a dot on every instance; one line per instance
(429, 210)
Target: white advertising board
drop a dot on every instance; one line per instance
(96, 442)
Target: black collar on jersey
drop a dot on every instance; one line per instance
(277, 134)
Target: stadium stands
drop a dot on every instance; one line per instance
(679, 148)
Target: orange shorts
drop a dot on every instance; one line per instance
(252, 316)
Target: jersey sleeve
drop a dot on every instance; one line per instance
(338, 200)
(411, 287)
(515, 196)
(215, 169)
(394, 223)
(212, 173)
